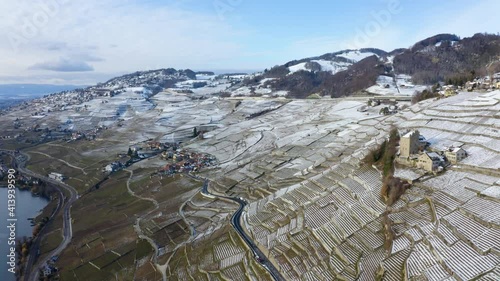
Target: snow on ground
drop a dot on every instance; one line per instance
(348, 109)
(493, 192)
(242, 91)
(298, 67)
(132, 101)
(406, 86)
(263, 81)
(438, 44)
(249, 107)
(385, 86)
(356, 55)
(208, 90)
(170, 96)
(237, 76)
(332, 66)
(205, 77)
(263, 91)
(280, 94)
(186, 83)
(408, 174)
(139, 90)
(477, 132)
(383, 79)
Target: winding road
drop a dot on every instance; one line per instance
(236, 223)
(67, 202)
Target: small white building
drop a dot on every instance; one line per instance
(455, 154)
(430, 161)
(56, 176)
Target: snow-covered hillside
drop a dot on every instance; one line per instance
(356, 55)
(333, 62)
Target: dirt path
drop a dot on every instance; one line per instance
(137, 224)
(60, 160)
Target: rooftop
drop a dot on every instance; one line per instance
(434, 156)
(409, 134)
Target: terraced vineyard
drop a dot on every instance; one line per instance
(320, 213)
(314, 209)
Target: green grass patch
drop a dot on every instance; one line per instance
(143, 249)
(128, 260)
(105, 260)
(50, 241)
(89, 272)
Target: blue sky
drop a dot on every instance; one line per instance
(83, 42)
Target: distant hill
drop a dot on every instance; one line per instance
(11, 94)
(15, 91)
(155, 80)
(443, 57)
(355, 77)
(446, 57)
(333, 74)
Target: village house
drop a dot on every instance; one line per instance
(455, 154)
(496, 77)
(56, 176)
(470, 85)
(430, 161)
(448, 90)
(47, 271)
(154, 145)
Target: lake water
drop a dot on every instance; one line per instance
(27, 206)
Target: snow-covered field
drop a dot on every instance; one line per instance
(356, 55)
(385, 86)
(336, 214)
(334, 66)
(406, 86)
(399, 86)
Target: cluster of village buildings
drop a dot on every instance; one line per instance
(88, 135)
(484, 83)
(20, 178)
(185, 161)
(179, 160)
(414, 151)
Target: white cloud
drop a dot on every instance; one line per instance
(63, 65)
(109, 36)
(117, 36)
